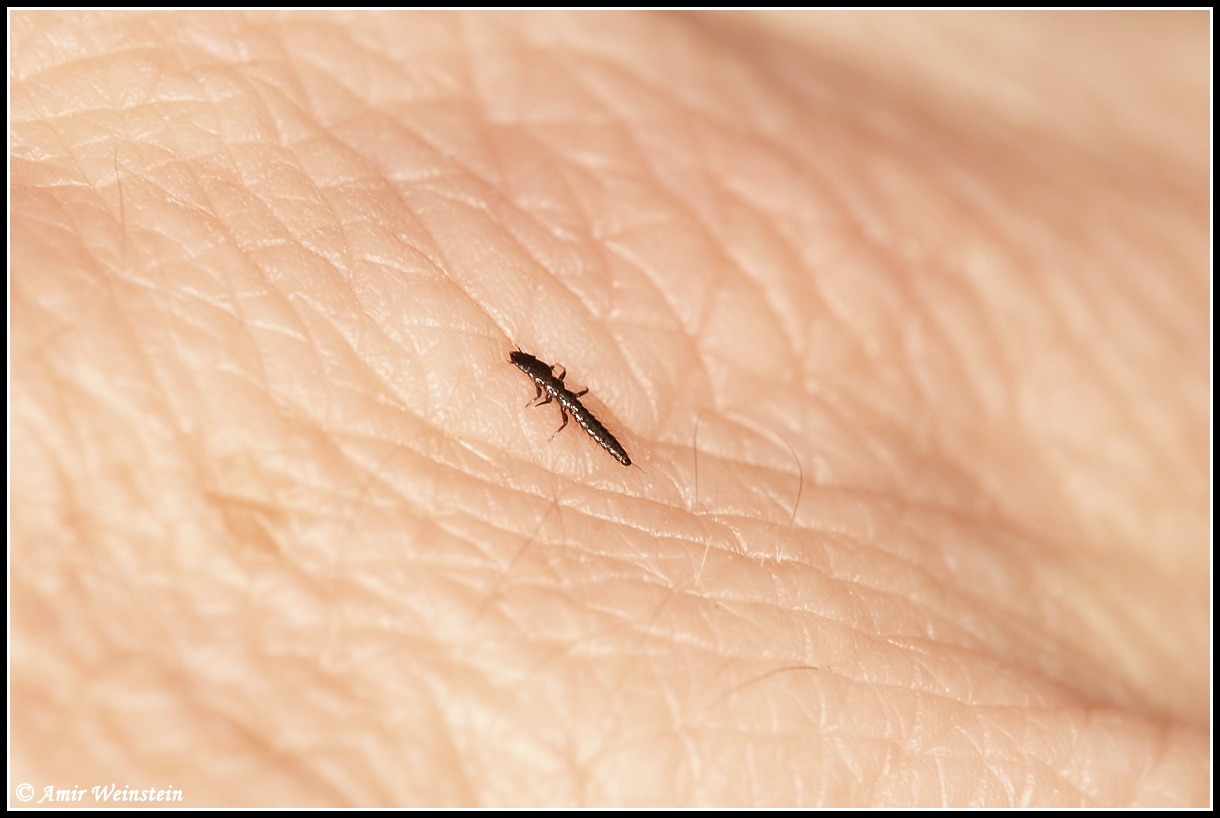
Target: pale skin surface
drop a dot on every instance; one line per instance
(928, 293)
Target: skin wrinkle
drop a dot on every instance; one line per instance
(655, 278)
(968, 381)
(945, 611)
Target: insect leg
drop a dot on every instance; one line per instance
(562, 375)
(581, 392)
(563, 412)
(536, 397)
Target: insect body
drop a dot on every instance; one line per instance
(543, 376)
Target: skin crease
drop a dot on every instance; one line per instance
(904, 318)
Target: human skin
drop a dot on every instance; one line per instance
(904, 320)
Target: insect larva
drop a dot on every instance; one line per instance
(543, 376)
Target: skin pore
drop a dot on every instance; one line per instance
(903, 318)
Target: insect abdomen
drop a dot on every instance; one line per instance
(594, 428)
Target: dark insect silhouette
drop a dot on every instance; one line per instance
(543, 376)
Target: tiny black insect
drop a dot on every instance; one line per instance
(543, 376)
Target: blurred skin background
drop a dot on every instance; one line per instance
(903, 317)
